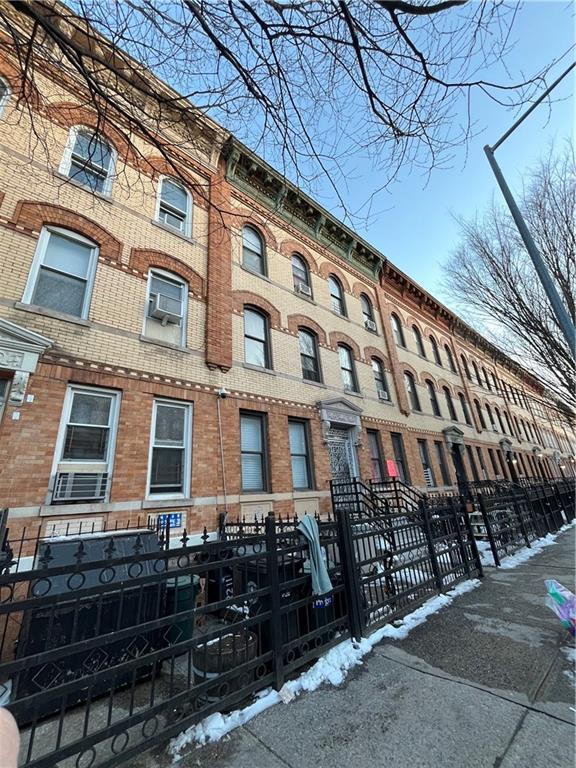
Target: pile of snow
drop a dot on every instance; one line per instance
(331, 668)
(527, 552)
(570, 654)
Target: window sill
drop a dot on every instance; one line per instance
(166, 344)
(73, 183)
(34, 309)
(256, 274)
(309, 299)
(258, 368)
(353, 393)
(172, 231)
(315, 383)
(164, 501)
(342, 316)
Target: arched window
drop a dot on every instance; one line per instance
(253, 257)
(347, 368)
(380, 379)
(450, 358)
(491, 421)
(495, 382)
(336, 296)
(465, 411)
(301, 275)
(418, 340)
(166, 307)
(256, 338)
(89, 160)
(466, 369)
(499, 417)
(62, 272)
(367, 313)
(435, 350)
(309, 357)
(486, 379)
(480, 414)
(433, 398)
(410, 385)
(449, 404)
(4, 94)
(477, 373)
(508, 423)
(397, 330)
(174, 206)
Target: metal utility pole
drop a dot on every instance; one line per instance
(564, 319)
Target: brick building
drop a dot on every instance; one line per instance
(131, 301)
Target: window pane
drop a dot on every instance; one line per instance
(300, 472)
(59, 292)
(252, 476)
(348, 380)
(297, 438)
(307, 346)
(93, 150)
(67, 255)
(253, 261)
(172, 219)
(166, 287)
(86, 177)
(90, 409)
(252, 240)
(170, 420)
(345, 357)
(255, 352)
(167, 470)
(254, 324)
(174, 196)
(251, 433)
(299, 270)
(86, 443)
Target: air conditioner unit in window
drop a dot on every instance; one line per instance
(383, 395)
(305, 289)
(167, 309)
(80, 486)
(370, 325)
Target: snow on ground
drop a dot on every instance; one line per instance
(511, 561)
(331, 668)
(570, 654)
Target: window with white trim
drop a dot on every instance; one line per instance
(4, 94)
(300, 455)
(89, 160)
(174, 206)
(85, 446)
(170, 449)
(253, 452)
(62, 272)
(166, 308)
(256, 338)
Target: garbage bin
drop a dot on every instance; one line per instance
(181, 594)
(234, 647)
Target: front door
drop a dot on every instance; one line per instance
(341, 453)
(460, 469)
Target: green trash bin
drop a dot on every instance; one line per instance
(181, 594)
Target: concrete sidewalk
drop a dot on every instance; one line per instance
(482, 683)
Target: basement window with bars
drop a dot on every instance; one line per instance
(85, 446)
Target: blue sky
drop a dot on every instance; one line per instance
(412, 223)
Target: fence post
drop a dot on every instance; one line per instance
(274, 586)
(489, 531)
(471, 537)
(352, 585)
(425, 515)
(518, 512)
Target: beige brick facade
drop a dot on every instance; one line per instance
(116, 348)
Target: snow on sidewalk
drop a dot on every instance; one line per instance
(331, 668)
(524, 554)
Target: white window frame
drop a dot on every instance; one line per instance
(58, 461)
(187, 469)
(37, 262)
(6, 97)
(66, 162)
(162, 273)
(187, 230)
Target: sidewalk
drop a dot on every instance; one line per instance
(482, 683)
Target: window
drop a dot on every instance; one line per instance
(492, 458)
(426, 466)
(256, 344)
(465, 411)
(450, 358)
(367, 313)
(300, 455)
(472, 463)
(449, 404)
(480, 414)
(376, 463)
(397, 330)
(508, 424)
(435, 350)
(253, 251)
(347, 368)
(410, 385)
(380, 379)
(4, 94)
(466, 369)
(336, 296)
(477, 373)
(170, 449)
(89, 160)
(439, 448)
(491, 418)
(174, 206)
(253, 452)
(166, 308)
(433, 398)
(481, 462)
(486, 379)
(309, 355)
(500, 422)
(418, 340)
(495, 382)
(4, 388)
(400, 457)
(62, 272)
(85, 446)
(301, 275)
(502, 464)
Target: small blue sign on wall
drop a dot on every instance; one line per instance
(174, 519)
